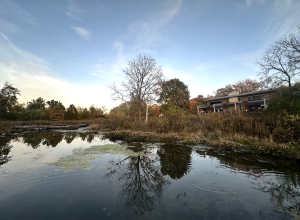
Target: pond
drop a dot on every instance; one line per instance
(82, 175)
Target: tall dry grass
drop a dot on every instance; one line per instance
(253, 125)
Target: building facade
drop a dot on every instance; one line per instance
(245, 101)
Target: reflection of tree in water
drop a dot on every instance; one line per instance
(69, 137)
(280, 178)
(53, 139)
(90, 138)
(284, 191)
(83, 136)
(142, 181)
(33, 140)
(5, 148)
(4, 151)
(175, 160)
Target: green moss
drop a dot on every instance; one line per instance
(82, 158)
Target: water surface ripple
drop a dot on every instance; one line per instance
(82, 175)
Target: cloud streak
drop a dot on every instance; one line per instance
(8, 6)
(148, 31)
(82, 32)
(34, 77)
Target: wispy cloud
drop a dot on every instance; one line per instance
(73, 10)
(8, 6)
(284, 21)
(82, 32)
(18, 66)
(111, 68)
(8, 27)
(100, 5)
(148, 31)
(98, 75)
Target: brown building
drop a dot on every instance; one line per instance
(245, 101)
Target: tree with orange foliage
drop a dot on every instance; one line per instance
(243, 86)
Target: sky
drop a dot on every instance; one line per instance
(72, 50)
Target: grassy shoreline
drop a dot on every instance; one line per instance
(7, 126)
(262, 133)
(259, 146)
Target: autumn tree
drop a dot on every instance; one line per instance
(8, 99)
(143, 78)
(93, 113)
(57, 113)
(199, 100)
(154, 110)
(53, 103)
(104, 109)
(83, 113)
(71, 113)
(174, 93)
(38, 103)
(243, 86)
(247, 85)
(280, 64)
(224, 91)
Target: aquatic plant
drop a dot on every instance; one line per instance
(82, 158)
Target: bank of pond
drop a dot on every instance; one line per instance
(86, 175)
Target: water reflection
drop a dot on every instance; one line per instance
(277, 177)
(175, 161)
(141, 178)
(52, 139)
(35, 140)
(70, 136)
(4, 151)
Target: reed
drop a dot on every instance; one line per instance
(271, 127)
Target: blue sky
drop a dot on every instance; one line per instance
(71, 50)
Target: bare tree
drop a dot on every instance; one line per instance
(280, 63)
(292, 45)
(143, 78)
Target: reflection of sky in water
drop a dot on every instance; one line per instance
(175, 182)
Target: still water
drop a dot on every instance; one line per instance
(84, 176)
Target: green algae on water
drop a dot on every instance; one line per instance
(82, 158)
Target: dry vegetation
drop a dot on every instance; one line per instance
(267, 133)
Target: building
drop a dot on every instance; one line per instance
(247, 101)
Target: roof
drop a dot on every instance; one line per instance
(220, 105)
(242, 94)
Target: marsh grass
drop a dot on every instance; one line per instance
(262, 133)
(274, 128)
(226, 142)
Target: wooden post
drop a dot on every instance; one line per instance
(245, 103)
(208, 106)
(224, 104)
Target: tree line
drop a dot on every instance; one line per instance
(145, 92)
(40, 109)
(279, 69)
